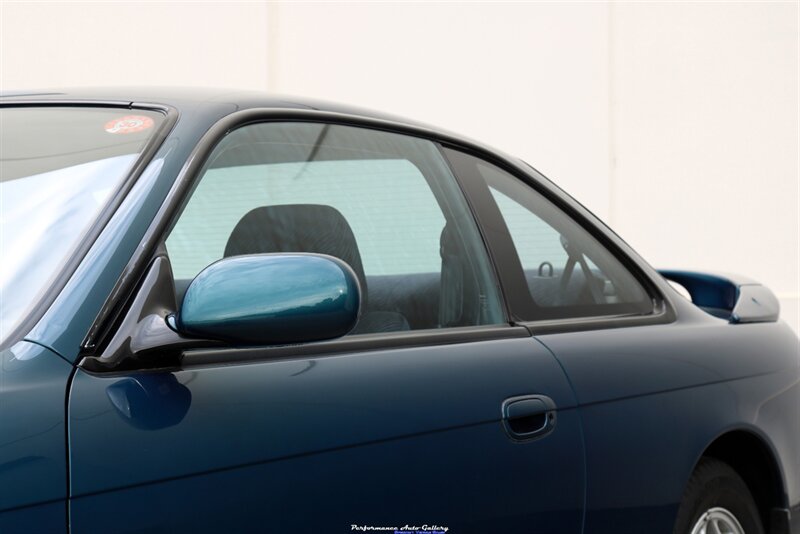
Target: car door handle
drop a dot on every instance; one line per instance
(528, 416)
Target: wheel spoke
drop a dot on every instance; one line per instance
(717, 521)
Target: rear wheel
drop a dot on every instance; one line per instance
(717, 501)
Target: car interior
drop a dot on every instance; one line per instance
(393, 303)
(304, 211)
(390, 303)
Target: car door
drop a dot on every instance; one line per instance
(656, 379)
(434, 414)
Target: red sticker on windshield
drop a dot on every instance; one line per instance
(129, 124)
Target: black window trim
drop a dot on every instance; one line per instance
(502, 250)
(127, 285)
(43, 302)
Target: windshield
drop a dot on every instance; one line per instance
(58, 168)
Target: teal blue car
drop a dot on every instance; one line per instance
(223, 311)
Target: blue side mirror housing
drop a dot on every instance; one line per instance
(271, 299)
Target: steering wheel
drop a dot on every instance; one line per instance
(576, 257)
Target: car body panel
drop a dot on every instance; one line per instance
(668, 392)
(47, 517)
(330, 492)
(33, 456)
(386, 436)
(653, 359)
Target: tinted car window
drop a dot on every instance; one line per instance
(567, 271)
(384, 203)
(401, 240)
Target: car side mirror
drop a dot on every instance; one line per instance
(271, 299)
(243, 301)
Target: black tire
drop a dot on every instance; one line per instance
(716, 484)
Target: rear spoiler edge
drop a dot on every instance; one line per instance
(744, 300)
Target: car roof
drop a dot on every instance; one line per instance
(184, 99)
(190, 102)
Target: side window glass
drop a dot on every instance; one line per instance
(384, 203)
(567, 271)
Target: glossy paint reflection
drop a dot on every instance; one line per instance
(32, 446)
(272, 298)
(374, 436)
(150, 401)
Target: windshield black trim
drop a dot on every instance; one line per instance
(53, 288)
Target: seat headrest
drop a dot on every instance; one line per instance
(313, 228)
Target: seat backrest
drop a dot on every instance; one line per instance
(459, 300)
(313, 228)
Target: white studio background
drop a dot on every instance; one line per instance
(677, 123)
